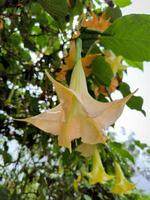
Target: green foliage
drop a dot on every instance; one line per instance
(122, 3)
(135, 102)
(135, 64)
(34, 35)
(102, 71)
(129, 36)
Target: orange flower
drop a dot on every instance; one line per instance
(100, 23)
(102, 89)
(70, 61)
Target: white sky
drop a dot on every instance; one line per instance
(131, 120)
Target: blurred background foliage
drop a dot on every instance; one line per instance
(34, 36)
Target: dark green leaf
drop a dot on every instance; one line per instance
(136, 102)
(57, 9)
(113, 13)
(129, 36)
(139, 144)
(148, 151)
(117, 148)
(122, 3)
(102, 71)
(15, 38)
(7, 157)
(4, 193)
(2, 2)
(36, 8)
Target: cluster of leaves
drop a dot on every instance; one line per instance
(34, 35)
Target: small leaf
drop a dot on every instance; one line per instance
(122, 3)
(136, 102)
(57, 9)
(129, 36)
(87, 197)
(117, 148)
(102, 71)
(113, 13)
(135, 64)
(140, 145)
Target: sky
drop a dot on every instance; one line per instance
(132, 120)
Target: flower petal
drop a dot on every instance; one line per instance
(111, 113)
(78, 125)
(78, 80)
(98, 174)
(86, 150)
(122, 185)
(65, 94)
(49, 121)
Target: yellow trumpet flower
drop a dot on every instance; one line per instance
(78, 115)
(122, 185)
(114, 61)
(98, 174)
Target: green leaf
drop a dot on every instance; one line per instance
(57, 9)
(4, 193)
(2, 2)
(136, 102)
(113, 13)
(140, 145)
(15, 39)
(42, 40)
(102, 71)
(87, 197)
(7, 157)
(135, 64)
(36, 8)
(25, 56)
(148, 151)
(117, 148)
(129, 36)
(122, 3)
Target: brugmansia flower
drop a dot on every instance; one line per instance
(115, 62)
(78, 115)
(122, 185)
(98, 174)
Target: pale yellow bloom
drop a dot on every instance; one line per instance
(122, 185)
(78, 115)
(98, 174)
(114, 61)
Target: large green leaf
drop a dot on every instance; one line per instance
(122, 3)
(129, 36)
(136, 102)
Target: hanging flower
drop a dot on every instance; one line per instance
(98, 174)
(122, 185)
(78, 115)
